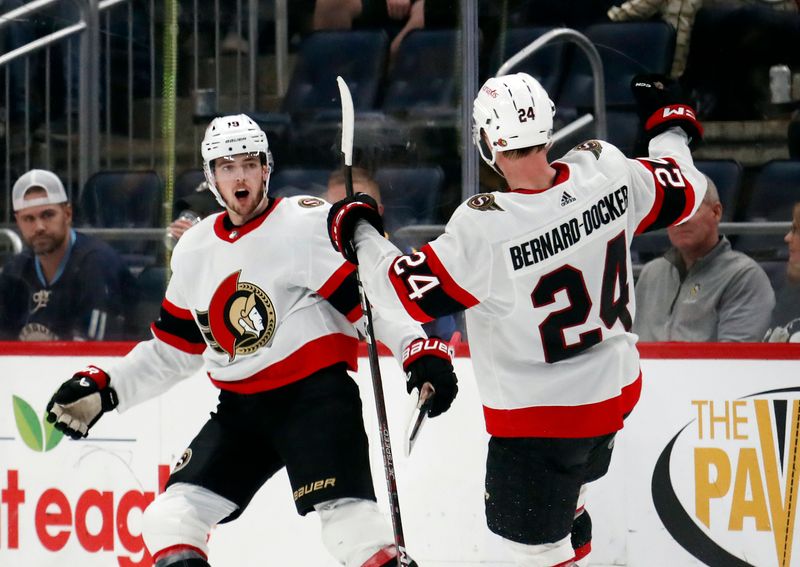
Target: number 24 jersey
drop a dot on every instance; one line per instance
(545, 277)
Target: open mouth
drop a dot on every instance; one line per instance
(241, 194)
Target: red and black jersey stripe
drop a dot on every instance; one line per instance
(674, 199)
(425, 287)
(341, 291)
(177, 328)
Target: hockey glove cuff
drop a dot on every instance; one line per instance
(80, 401)
(680, 115)
(430, 360)
(342, 220)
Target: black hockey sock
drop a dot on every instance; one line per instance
(182, 559)
(197, 562)
(194, 562)
(581, 536)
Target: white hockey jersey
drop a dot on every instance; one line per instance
(265, 304)
(546, 278)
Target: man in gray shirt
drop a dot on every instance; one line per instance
(701, 289)
(786, 315)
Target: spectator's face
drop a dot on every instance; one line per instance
(337, 192)
(699, 233)
(44, 228)
(792, 238)
(240, 180)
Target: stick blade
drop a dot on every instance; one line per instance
(417, 418)
(348, 119)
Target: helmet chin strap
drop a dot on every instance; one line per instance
(493, 151)
(497, 169)
(264, 188)
(493, 163)
(263, 196)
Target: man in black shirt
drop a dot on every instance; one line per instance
(65, 285)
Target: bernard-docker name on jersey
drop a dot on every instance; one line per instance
(545, 244)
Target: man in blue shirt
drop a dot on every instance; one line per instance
(65, 285)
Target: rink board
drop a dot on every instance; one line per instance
(705, 472)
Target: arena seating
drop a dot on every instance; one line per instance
(776, 188)
(291, 181)
(727, 176)
(409, 194)
(124, 199)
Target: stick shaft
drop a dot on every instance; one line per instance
(372, 347)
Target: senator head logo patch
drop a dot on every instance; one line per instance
(240, 318)
(591, 146)
(310, 202)
(483, 202)
(183, 461)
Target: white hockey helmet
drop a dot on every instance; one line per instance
(514, 111)
(229, 136)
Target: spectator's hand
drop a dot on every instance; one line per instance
(398, 9)
(663, 105)
(428, 363)
(178, 227)
(80, 401)
(342, 219)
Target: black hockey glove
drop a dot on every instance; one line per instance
(430, 360)
(662, 105)
(80, 401)
(342, 219)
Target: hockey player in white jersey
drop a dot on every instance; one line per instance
(259, 297)
(544, 273)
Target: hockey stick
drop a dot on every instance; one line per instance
(418, 416)
(348, 124)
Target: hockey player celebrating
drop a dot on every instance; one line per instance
(544, 273)
(259, 297)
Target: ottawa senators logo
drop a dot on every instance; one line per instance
(591, 146)
(483, 202)
(240, 318)
(310, 202)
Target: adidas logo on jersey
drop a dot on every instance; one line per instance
(566, 199)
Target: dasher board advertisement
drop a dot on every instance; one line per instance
(705, 472)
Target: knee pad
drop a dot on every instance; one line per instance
(353, 529)
(542, 555)
(176, 524)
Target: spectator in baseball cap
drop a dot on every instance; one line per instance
(65, 285)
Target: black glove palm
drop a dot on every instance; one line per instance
(662, 104)
(80, 401)
(429, 360)
(342, 219)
